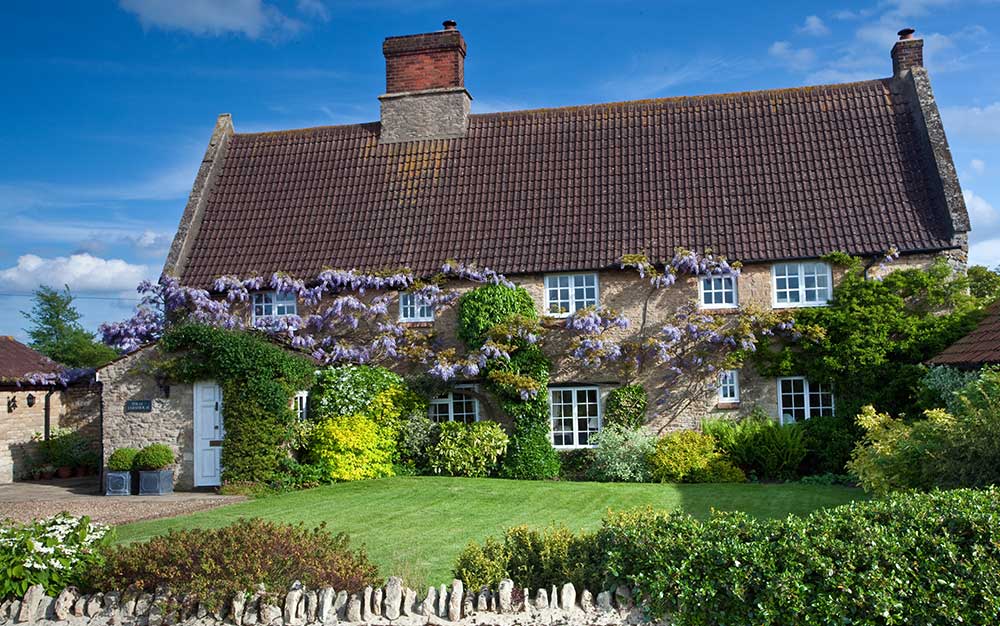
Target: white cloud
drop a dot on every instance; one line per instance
(814, 26)
(84, 273)
(978, 166)
(654, 75)
(314, 8)
(252, 18)
(796, 58)
(982, 214)
(973, 121)
(985, 253)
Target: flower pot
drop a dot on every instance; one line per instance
(45, 475)
(79, 472)
(118, 483)
(156, 482)
(64, 472)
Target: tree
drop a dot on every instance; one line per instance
(56, 332)
(984, 283)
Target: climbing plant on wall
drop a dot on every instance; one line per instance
(506, 317)
(258, 380)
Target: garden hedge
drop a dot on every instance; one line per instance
(907, 559)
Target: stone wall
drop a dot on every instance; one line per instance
(391, 604)
(76, 408)
(171, 420)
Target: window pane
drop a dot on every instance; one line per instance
(793, 399)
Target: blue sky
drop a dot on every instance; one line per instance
(107, 106)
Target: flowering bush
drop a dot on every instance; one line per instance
(54, 552)
(622, 455)
(471, 450)
(216, 563)
(349, 389)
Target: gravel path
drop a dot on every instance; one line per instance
(29, 500)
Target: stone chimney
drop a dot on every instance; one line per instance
(907, 53)
(425, 87)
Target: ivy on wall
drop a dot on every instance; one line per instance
(258, 380)
(530, 454)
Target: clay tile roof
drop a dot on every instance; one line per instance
(757, 176)
(980, 347)
(18, 360)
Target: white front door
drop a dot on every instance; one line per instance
(208, 433)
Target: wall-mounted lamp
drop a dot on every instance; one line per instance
(31, 399)
(11, 404)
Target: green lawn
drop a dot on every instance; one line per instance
(416, 526)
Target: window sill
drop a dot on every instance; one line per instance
(417, 324)
(727, 406)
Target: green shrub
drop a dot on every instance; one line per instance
(213, 564)
(907, 559)
(575, 464)
(351, 447)
(829, 441)
(532, 559)
(941, 385)
(467, 450)
(719, 470)
(840, 565)
(678, 454)
(419, 433)
(122, 459)
(940, 450)
(626, 406)
(622, 455)
(482, 308)
(63, 448)
(155, 456)
(759, 445)
(827, 480)
(55, 552)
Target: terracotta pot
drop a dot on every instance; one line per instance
(79, 472)
(45, 475)
(64, 472)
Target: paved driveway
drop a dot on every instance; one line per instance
(25, 501)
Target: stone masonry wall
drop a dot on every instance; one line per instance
(392, 604)
(171, 420)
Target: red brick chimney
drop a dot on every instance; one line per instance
(425, 87)
(907, 53)
(428, 61)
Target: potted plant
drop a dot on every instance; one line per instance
(118, 480)
(155, 476)
(46, 472)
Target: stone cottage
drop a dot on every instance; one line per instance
(34, 405)
(552, 198)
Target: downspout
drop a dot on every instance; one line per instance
(48, 413)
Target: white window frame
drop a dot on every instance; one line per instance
(574, 305)
(807, 398)
(801, 276)
(575, 418)
(725, 386)
(718, 305)
(420, 312)
(277, 300)
(449, 400)
(300, 404)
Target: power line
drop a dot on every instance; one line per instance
(75, 297)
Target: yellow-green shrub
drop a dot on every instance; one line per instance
(352, 447)
(691, 457)
(473, 450)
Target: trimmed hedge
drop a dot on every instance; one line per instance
(907, 559)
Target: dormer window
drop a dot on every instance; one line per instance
(274, 304)
(565, 294)
(412, 308)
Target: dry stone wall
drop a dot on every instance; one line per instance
(384, 606)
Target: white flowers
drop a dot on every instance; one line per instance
(54, 544)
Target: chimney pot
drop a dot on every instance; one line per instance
(906, 33)
(450, 24)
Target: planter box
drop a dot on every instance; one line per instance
(118, 483)
(156, 482)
